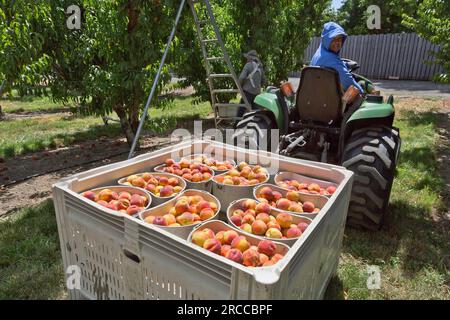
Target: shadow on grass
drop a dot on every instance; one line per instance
(30, 259)
(414, 118)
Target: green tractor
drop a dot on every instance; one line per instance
(316, 124)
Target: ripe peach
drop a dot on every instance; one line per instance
(267, 247)
(293, 196)
(259, 227)
(273, 224)
(206, 176)
(175, 225)
(248, 218)
(187, 176)
(212, 245)
(196, 217)
(102, 203)
(150, 219)
(123, 204)
(234, 173)
(221, 236)
(238, 212)
(136, 200)
(200, 236)
(240, 243)
(293, 232)
(177, 189)
(331, 189)
(169, 162)
(131, 178)
(229, 236)
(242, 165)
(105, 195)
(203, 205)
(268, 263)
(160, 221)
(308, 206)
(262, 207)
(266, 193)
(224, 250)
(206, 214)
(277, 195)
(185, 218)
(147, 176)
(284, 220)
(276, 257)
(274, 233)
(139, 182)
(250, 258)
(245, 172)
(263, 259)
(263, 217)
(234, 255)
(316, 210)
(263, 200)
(237, 220)
(228, 181)
(261, 177)
(314, 187)
(133, 209)
(90, 195)
(150, 187)
(170, 219)
(296, 207)
(192, 209)
(125, 195)
(166, 191)
(250, 212)
(283, 204)
(247, 228)
(249, 204)
(113, 205)
(219, 179)
(302, 226)
(181, 206)
(163, 181)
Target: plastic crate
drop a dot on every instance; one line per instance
(122, 258)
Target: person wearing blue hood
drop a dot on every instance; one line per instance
(327, 55)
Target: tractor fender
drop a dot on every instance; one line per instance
(270, 103)
(268, 113)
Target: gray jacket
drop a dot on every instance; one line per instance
(258, 78)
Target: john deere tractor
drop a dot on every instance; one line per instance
(316, 124)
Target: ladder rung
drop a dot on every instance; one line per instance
(221, 75)
(215, 58)
(234, 105)
(209, 40)
(226, 91)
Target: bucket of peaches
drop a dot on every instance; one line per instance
(234, 246)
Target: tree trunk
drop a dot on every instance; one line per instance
(127, 128)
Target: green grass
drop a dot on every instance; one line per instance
(409, 250)
(30, 257)
(20, 136)
(29, 104)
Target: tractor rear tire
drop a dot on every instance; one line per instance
(254, 132)
(371, 153)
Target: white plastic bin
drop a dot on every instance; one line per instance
(121, 257)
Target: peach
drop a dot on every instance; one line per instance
(261, 177)
(177, 189)
(173, 211)
(242, 165)
(296, 207)
(139, 182)
(200, 236)
(147, 176)
(293, 196)
(234, 173)
(259, 227)
(113, 205)
(247, 228)
(123, 204)
(169, 162)
(276, 257)
(175, 225)
(212, 245)
(196, 217)
(274, 233)
(181, 206)
(266, 193)
(293, 232)
(206, 176)
(283, 204)
(308, 206)
(316, 210)
(240, 243)
(185, 218)
(221, 236)
(203, 205)
(263, 200)
(206, 214)
(133, 209)
(238, 212)
(224, 250)
(170, 219)
(192, 209)
(250, 258)
(314, 187)
(284, 220)
(229, 236)
(263, 259)
(273, 224)
(262, 207)
(302, 226)
(166, 191)
(160, 221)
(236, 181)
(219, 179)
(90, 195)
(248, 218)
(249, 204)
(267, 247)
(277, 195)
(173, 182)
(236, 220)
(131, 178)
(125, 195)
(163, 181)
(228, 182)
(331, 189)
(184, 164)
(263, 217)
(151, 187)
(149, 219)
(245, 172)
(105, 195)
(234, 255)
(187, 176)
(102, 203)
(268, 263)
(250, 212)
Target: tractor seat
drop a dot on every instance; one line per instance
(319, 96)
